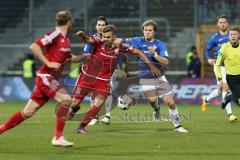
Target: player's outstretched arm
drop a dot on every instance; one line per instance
(117, 42)
(37, 51)
(211, 61)
(153, 68)
(161, 59)
(80, 58)
(84, 37)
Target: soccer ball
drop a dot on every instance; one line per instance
(125, 102)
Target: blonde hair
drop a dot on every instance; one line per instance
(150, 23)
(234, 28)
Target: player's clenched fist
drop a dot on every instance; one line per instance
(211, 61)
(152, 50)
(155, 70)
(79, 33)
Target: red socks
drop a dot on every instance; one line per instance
(92, 113)
(18, 117)
(59, 127)
(60, 120)
(13, 121)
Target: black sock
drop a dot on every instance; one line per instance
(82, 126)
(155, 105)
(108, 117)
(75, 109)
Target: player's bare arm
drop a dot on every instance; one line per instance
(161, 59)
(211, 61)
(80, 58)
(84, 37)
(37, 51)
(153, 68)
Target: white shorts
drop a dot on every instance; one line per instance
(160, 85)
(223, 71)
(114, 83)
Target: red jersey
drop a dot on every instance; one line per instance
(57, 49)
(103, 62)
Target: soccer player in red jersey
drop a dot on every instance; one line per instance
(57, 52)
(96, 74)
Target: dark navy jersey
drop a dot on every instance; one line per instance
(214, 45)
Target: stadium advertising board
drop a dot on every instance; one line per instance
(187, 91)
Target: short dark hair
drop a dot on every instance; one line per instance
(109, 28)
(62, 17)
(193, 48)
(234, 28)
(101, 18)
(222, 16)
(150, 23)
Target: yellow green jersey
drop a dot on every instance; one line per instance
(230, 56)
(28, 68)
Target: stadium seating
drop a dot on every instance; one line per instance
(10, 12)
(16, 32)
(44, 15)
(181, 27)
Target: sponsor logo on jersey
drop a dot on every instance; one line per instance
(109, 56)
(65, 49)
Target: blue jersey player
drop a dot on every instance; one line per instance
(101, 22)
(155, 86)
(213, 46)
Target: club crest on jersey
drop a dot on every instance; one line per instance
(62, 40)
(45, 40)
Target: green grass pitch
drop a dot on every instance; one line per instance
(131, 135)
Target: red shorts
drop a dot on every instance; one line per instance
(86, 85)
(46, 88)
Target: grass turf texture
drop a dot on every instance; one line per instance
(131, 135)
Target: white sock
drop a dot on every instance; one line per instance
(212, 95)
(229, 109)
(229, 106)
(174, 116)
(223, 95)
(108, 105)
